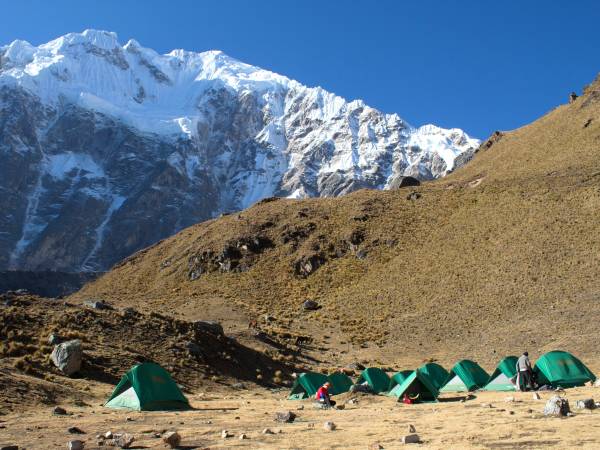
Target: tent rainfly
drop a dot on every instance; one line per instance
(500, 380)
(436, 373)
(561, 369)
(418, 386)
(147, 387)
(340, 383)
(377, 379)
(399, 377)
(307, 385)
(465, 376)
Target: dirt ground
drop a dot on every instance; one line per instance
(373, 420)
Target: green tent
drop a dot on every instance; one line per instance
(307, 385)
(436, 373)
(399, 377)
(465, 376)
(340, 383)
(418, 386)
(558, 368)
(147, 387)
(500, 380)
(377, 379)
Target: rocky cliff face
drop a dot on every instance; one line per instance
(106, 149)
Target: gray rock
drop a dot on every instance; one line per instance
(54, 339)
(193, 348)
(226, 434)
(557, 406)
(413, 196)
(355, 366)
(243, 436)
(58, 411)
(97, 304)
(411, 439)
(75, 430)
(361, 254)
(587, 403)
(172, 439)
(310, 305)
(329, 426)
(75, 445)
(285, 416)
(68, 357)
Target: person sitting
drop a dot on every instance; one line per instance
(323, 396)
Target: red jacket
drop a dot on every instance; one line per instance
(322, 393)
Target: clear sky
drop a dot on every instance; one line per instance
(479, 65)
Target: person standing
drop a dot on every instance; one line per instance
(524, 372)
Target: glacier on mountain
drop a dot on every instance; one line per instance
(123, 146)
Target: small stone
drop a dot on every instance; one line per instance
(412, 429)
(587, 403)
(75, 430)
(226, 434)
(329, 426)
(536, 396)
(411, 439)
(172, 439)
(310, 305)
(510, 399)
(486, 405)
(285, 416)
(243, 436)
(340, 407)
(353, 401)
(54, 339)
(557, 406)
(375, 446)
(267, 431)
(108, 435)
(58, 411)
(123, 440)
(597, 383)
(75, 445)
(129, 419)
(97, 304)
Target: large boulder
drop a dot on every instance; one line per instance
(401, 182)
(68, 356)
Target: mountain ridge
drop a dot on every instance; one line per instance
(125, 146)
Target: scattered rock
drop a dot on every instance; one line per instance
(9, 447)
(572, 97)
(557, 406)
(353, 401)
(340, 407)
(510, 399)
(58, 411)
(75, 430)
(68, 356)
(329, 426)
(226, 434)
(300, 408)
(243, 436)
(75, 445)
(108, 435)
(361, 254)
(97, 304)
(267, 431)
(536, 396)
(486, 405)
(597, 383)
(411, 439)
(238, 386)
(172, 439)
(285, 416)
(413, 196)
(54, 339)
(375, 446)
(310, 305)
(128, 419)
(355, 366)
(587, 403)
(412, 429)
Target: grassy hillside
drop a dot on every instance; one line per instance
(500, 256)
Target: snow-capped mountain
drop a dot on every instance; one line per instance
(105, 149)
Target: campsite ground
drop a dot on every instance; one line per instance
(374, 419)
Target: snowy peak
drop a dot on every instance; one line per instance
(127, 146)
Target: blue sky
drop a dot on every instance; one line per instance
(477, 65)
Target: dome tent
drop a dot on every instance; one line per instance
(500, 380)
(561, 369)
(147, 387)
(465, 376)
(377, 379)
(418, 386)
(308, 383)
(399, 377)
(436, 373)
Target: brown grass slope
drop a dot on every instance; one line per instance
(500, 256)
